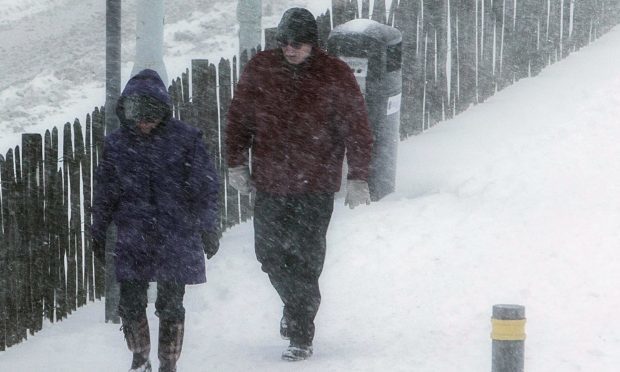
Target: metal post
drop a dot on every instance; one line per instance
(508, 337)
(113, 88)
(113, 63)
(249, 16)
(150, 38)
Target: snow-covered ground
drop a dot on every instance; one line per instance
(515, 201)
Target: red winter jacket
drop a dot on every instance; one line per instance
(298, 121)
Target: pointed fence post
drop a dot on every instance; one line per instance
(508, 337)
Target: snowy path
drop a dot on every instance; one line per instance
(515, 201)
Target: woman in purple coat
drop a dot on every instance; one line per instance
(157, 183)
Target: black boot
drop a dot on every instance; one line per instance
(170, 344)
(145, 367)
(284, 328)
(139, 343)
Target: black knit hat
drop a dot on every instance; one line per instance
(299, 25)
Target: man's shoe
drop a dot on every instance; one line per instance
(296, 352)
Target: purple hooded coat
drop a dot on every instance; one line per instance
(160, 189)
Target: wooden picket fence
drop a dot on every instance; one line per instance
(460, 52)
(46, 264)
(455, 53)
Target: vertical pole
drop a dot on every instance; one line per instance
(508, 337)
(150, 38)
(113, 88)
(249, 16)
(113, 63)
(150, 54)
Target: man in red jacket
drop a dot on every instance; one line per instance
(298, 110)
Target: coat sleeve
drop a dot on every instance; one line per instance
(240, 127)
(354, 125)
(106, 194)
(203, 184)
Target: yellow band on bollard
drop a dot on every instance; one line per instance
(508, 330)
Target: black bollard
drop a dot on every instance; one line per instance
(508, 337)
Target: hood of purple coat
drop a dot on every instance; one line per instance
(145, 83)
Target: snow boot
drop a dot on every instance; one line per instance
(144, 367)
(284, 328)
(139, 343)
(297, 351)
(170, 344)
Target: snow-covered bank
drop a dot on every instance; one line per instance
(52, 49)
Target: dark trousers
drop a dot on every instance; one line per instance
(168, 306)
(290, 242)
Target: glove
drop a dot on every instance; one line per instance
(211, 242)
(99, 251)
(357, 193)
(240, 180)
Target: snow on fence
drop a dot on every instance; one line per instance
(455, 53)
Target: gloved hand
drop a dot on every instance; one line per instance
(211, 242)
(99, 251)
(357, 193)
(240, 180)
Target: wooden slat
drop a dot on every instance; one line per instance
(350, 10)
(324, 25)
(554, 31)
(432, 34)
(366, 9)
(486, 35)
(339, 8)
(567, 42)
(178, 85)
(406, 20)
(20, 253)
(67, 238)
(378, 11)
(76, 210)
(4, 272)
(454, 70)
(205, 111)
(33, 251)
(98, 125)
(86, 180)
(63, 241)
(225, 94)
(353, 11)
(244, 200)
(51, 165)
(536, 13)
(12, 240)
(185, 100)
